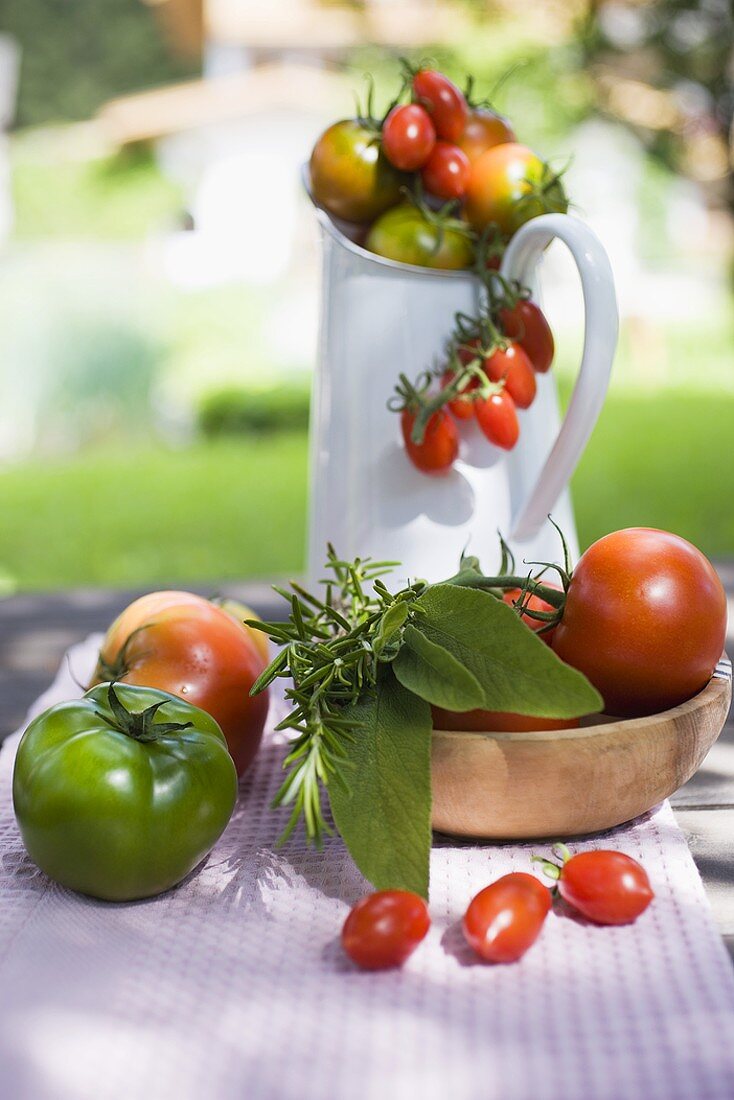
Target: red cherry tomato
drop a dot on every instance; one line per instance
(462, 406)
(513, 365)
(446, 172)
(505, 919)
(645, 620)
(484, 129)
(496, 721)
(440, 447)
(605, 887)
(535, 603)
(443, 101)
(408, 137)
(526, 323)
(383, 929)
(497, 417)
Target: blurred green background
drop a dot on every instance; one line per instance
(156, 343)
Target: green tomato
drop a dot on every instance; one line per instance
(350, 175)
(410, 236)
(123, 792)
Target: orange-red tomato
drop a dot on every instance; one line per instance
(645, 620)
(484, 129)
(444, 102)
(408, 137)
(496, 721)
(505, 189)
(183, 644)
(446, 172)
(535, 603)
(505, 919)
(462, 406)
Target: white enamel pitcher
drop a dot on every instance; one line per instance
(379, 319)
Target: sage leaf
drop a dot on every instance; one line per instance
(384, 816)
(432, 672)
(517, 671)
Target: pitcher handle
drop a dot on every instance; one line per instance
(601, 325)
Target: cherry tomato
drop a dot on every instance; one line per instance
(350, 175)
(440, 447)
(384, 929)
(513, 365)
(444, 102)
(181, 643)
(645, 620)
(408, 137)
(462, 406)
(470, 351)
(505, 918)
(535, 603)
(408, 235)
(508, 186)
(605, 887)
(496, 721)
(446, 172)
(526, 323)
(497, 417)
(484, 129)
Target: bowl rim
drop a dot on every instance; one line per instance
(719, 684)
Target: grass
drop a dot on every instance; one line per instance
(237, 508)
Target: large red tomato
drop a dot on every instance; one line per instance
(183, 644)
(508, 186)
(645, 620)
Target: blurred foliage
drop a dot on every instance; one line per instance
(76, 55)
(117, 197)
(666, 69)
(239, 411)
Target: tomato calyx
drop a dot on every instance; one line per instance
(551, 869)
(138, 725)
(117, 667)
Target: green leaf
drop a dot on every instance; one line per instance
(517, 671)
(390, 624)
(432, 672)
(385, 815)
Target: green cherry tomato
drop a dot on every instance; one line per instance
(406, 234)
(123, 792)
(350, 175)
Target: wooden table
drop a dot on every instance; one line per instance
(35, 631)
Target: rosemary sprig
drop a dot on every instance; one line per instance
(332, 649)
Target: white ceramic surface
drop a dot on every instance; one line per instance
(381, 318)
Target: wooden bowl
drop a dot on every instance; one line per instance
(562, 783)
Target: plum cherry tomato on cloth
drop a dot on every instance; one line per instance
(605, 887)
(497, 417)
(505, 919)
(409, 236)
(183, 644)
(440, 447)
(446, 172)
(644, 620)
(484, 129)
(444, 102)
(526, 323)
(384, 929)
(350, 175)
(408, 137)
(462, 406)
(508, 186)
(512, 366)
(121, 793)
